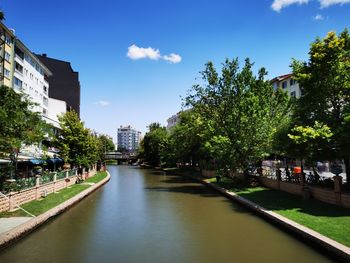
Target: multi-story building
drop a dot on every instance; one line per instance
(128, 139)
(7, 48)
(288, 84)
(30, 77)
(64, 83)
(173, 120)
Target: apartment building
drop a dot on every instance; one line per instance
(7, 48)
(128, 138)
(64, 83)
(30, 77)
(288, 84)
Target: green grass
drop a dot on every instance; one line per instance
(38, 207)
(329, 220)
(96, 178)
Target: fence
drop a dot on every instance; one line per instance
(328, 190)
(30, 191)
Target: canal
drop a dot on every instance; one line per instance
(147, 216)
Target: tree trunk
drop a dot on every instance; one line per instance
(347, 169)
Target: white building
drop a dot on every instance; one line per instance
(128, 138)
(288, 84)
(30, 78)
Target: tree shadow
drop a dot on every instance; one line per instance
(279, 201)
(185, 189)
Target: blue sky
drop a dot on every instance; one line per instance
(136, 58)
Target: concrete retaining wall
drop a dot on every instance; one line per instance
(24, 196)
(11, 236)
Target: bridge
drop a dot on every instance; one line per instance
(121, 157)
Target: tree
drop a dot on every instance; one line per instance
(310, 140)
(187, 138)
(154, 144)
(78, 144)
(104, 144)
(325, 81)
(242, 111)
(19, 124)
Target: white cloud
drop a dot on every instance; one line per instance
(327, 3)
(135, 52)
(173, 58)
(318, 17)
(278, 5)
(102, 103)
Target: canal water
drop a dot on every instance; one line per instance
(147, 216)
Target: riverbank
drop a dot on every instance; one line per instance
(271, 206)
(89, 186)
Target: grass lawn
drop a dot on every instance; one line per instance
(329, 220)
(38, 207)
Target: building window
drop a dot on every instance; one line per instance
(45, 101)
(45, 89)
(292, 82)
(293, 94)
(44, 112)
(7, 56)
(284, 84)
(18, 82)
(8, 40)
(18, 67)
(7, 73)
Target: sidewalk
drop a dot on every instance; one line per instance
(9, 223)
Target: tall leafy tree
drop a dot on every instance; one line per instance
(325, 81)
(104, 144)
(78, 145)
(154, 144)
(242, 111)
(19, 124)
(187, 138)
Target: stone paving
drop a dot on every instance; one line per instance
(9, 223)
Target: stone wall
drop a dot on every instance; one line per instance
(12, 199)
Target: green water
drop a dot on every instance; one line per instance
(147, 216)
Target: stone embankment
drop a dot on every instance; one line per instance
(16, 233)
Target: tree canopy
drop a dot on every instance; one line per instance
(325, 83)
(19, 124)
(242, 112)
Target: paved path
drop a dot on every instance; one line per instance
(9, 223)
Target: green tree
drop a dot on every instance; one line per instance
(187, 138)
(104, 144)
(309, 140)
(242, 111)
(78, 145)
(154, 144)
(325, 81)
(19, 124)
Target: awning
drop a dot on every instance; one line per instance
(55, 160)
(36, 161)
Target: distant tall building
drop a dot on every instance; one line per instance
(128, 138)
